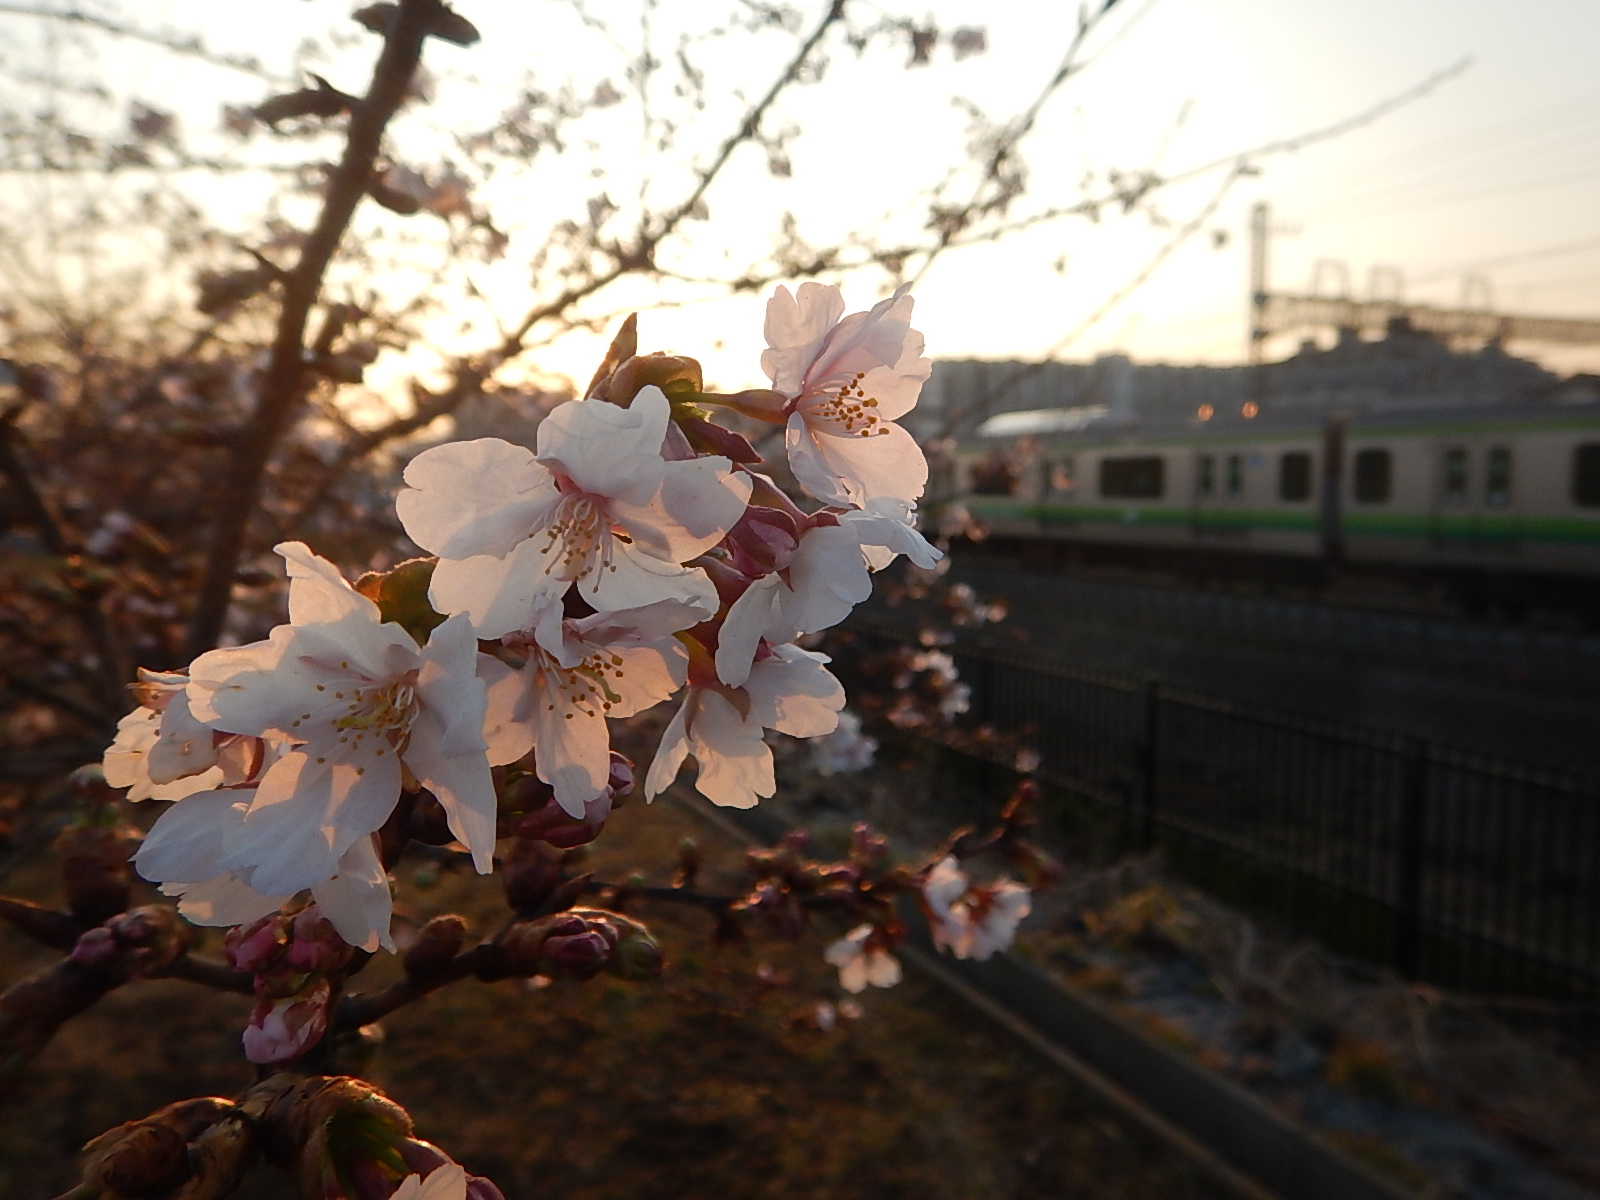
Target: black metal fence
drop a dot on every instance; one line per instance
(1450, 866)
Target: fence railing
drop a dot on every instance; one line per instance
(1450, 866)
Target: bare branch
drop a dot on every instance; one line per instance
(641, 257)
(210, 973)
(283, 390)
(47, 926)
(190, 47)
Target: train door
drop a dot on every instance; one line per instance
(1218, 492)
(1475, 490)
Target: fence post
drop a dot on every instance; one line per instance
(1149, 763)
(1410, 858)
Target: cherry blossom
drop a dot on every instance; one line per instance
(970, 920)
(161, 752)
(448, 1182)
(825, 577)
(844, 751)
(365, 711)
(597, 506)
(282, 1030)
(188, 846)
(577, 673)
(861, 961)
(847, 379)
(788, 689)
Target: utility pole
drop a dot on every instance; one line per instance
(1260, 236)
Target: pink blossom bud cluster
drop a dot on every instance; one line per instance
(579, 944)
(631, 555)
(291, 957)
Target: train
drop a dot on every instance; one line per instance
(1499, 502)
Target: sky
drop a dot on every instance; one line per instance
(1496, 171)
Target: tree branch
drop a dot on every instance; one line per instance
(354, 1011)
(47, 926)
(188, 47)
(209, 972)
(641, 257)
(283, 390)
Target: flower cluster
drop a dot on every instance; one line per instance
(632, 553)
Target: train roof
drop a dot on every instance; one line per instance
(1075, 428)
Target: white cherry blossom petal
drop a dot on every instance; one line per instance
(225, 900)
(185, 748)
(497, 594)
(699, 500)
(607, 450)
(357, 901)
(757, 614)
(887, 528)
(796, 326)
(508, 734)
(473, 498)
(317, 592)
(794, 693)
(463, 785)
(189, 842)
(307, 811)
(126, 761)
(672, 751)
(635, 580)
(854, 470)
(735, 764)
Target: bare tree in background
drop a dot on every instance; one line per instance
(192, 313)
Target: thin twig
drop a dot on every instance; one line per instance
(1191, 227)
(188, 48)
(644, 253)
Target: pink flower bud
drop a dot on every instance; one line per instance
(282, 1030)
(762, 541)
(522, 944)
(580, 956)
(315, 945)
(553, 824)
(136, 928)
(96, 948)
(423, 1158)
(254, 947)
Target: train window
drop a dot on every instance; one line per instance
(1455, 476)
(1062, 476)
(1206, 476)
(1294, 476)
(1586, 475)
(1373, 470)
(1497, 477)
(1142, 478)
(1235, 482)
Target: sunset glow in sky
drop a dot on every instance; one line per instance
(1495, 172)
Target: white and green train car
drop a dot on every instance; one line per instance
(1508, 489)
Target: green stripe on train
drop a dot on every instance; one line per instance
(1565, 530)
